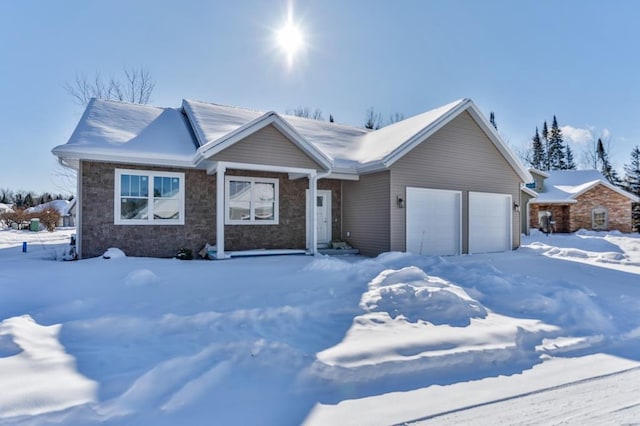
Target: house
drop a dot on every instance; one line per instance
(5, 208)
(579, 199)
(63, 207)
(152, 180)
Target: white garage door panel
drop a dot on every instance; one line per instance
(489, 222)
(433, 221)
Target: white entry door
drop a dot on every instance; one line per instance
(489, 222)
(433, 221)
(323, 215)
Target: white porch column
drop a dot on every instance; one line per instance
(220, 171)
(313, 213)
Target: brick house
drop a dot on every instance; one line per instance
(154, 179)
(579, 199)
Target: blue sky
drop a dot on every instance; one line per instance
(524, 60)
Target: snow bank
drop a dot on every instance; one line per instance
(38, 376)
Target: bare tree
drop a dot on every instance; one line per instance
(136, 87)
(372, 119)
(395, 117)
(305, 112)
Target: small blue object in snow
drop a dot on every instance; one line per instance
(24, 246)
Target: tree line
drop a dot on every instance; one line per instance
(25, 199)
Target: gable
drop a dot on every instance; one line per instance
(267, 146)
(602, 195)
(458, 155)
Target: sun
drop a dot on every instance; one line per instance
(290, 40)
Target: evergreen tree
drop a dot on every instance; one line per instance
(571, 164)
(28, 200)
(545, 139)
(538, 154)
(605, 166)
(492, 120)
(556, 151)
(632, 173)
(331, 118)
(4, 199)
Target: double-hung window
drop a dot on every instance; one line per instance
(251, 201)
(599, 219)
(148, 197)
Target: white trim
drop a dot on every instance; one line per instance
(343, 176)
(150, 220)
(147, 159)
(220, 170)
(252, 181)
(79, 211)
(259, 168)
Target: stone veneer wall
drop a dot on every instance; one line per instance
(570, 218)
(99, 231)
(618, 209)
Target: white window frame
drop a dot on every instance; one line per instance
(252, 220)
(593, 218)
(150, 220)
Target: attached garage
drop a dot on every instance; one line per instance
(490, 224)
(434, 221)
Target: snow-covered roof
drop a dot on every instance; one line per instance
(62, 206)
(118, 131)
(4, 208)
(565, 186)
(115, 131)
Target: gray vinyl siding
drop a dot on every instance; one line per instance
(366, 213)
(457, 157)
(267, 146)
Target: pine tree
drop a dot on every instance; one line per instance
(632, 173)
(570, 163)
(28, 200)
(538, 155)
(331, 118)
(605, 166)
(545, 139)
(556, 151)
(492, 120)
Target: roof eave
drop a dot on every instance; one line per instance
(70, 156)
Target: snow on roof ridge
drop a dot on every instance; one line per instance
(281, 114)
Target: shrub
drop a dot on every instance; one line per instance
(184, 254)
(19, 217)
(49, 218)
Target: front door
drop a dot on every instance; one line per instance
(323, 216)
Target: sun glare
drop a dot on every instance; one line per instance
(290, 40)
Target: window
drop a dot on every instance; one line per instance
(599, 218)
(148, 198)
(251, 201)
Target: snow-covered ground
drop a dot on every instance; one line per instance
(549, 333)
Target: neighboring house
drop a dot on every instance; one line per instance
(62, 206)
(152, 180)
(580, 199)
(5, 208)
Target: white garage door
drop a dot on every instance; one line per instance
(489, 222)
(433, 221)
